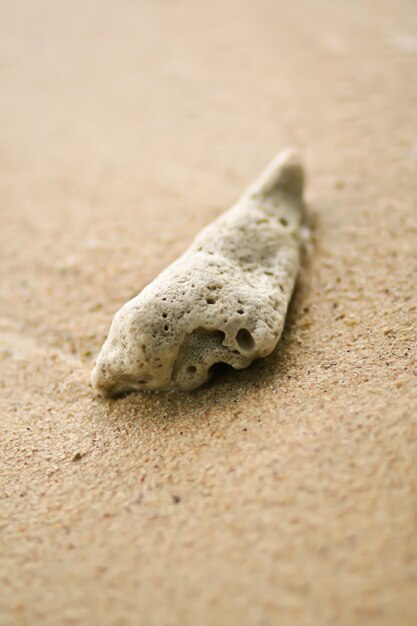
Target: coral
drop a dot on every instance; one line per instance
(223, 301)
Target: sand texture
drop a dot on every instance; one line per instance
(284, 494)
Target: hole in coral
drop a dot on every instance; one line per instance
(191, 369)
(219, 369)
(166, 327)
(283, 221)
(240, 311)
(245, 340)
(211, 301)
(164, 314)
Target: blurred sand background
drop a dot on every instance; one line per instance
(281, 495)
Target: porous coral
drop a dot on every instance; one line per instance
(223, 301)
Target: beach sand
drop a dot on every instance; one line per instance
(281, 495)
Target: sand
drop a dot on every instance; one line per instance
(281, 495)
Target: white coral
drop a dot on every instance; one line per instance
(223, 301)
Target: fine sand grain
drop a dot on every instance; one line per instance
(282, 495)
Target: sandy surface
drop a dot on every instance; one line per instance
(282, 495)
